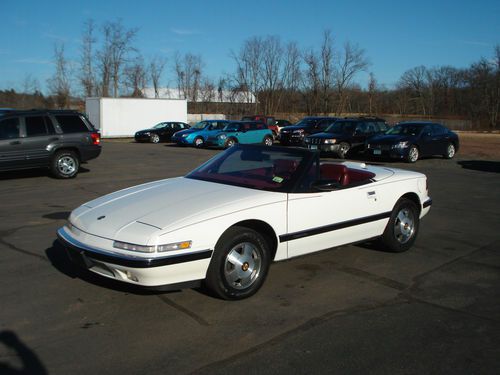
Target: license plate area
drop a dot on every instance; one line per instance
(377, 152)
(313, 147)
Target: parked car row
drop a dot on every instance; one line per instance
(340, 137)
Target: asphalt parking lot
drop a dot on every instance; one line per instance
(352, 309)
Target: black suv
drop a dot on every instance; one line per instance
(56, 139)
(295, 134)
(346, 135)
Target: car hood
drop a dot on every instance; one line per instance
(390, 139)
(328, 135)
(165, 205)
(188, 131)
(291, 128)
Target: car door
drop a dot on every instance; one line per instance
(321, 220)
(426, 146)
(440, 139)
(39, 133)
(11, 154)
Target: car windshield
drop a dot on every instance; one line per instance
(231, 127)
(160, 125)
(341, 127)
(255, 167)
(307, 121)
(405, 129)
(200, 125)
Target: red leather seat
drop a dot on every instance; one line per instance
(334, 172)
(285, 167)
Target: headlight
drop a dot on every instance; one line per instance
(222, 136)
(307, 140)
(330, 141)
(401, 145)
(146, 133)
(151, 249)
(298, 131)
(367, 145)
(184, 135)
(134, 247)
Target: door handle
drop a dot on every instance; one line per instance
(15, 143)
(54, 139)
(371, 195)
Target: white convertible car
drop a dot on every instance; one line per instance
(224, 222)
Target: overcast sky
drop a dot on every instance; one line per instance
(396, 35)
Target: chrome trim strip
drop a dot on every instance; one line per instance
(76, 246)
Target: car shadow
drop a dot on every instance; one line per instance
(61, 262)
(19, 352)
(31, 173)
(480, 165)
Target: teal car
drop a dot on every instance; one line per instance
(198, 134)
(244, 132)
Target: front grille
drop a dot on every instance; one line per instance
(315, 141)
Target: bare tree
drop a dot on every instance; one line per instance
(156, 66)
(248, 76)
(87, 78)
(188, 71)
(326, 72)
(113, 56)
(372, 90)
(415, 80)
(352, 60)
(312, 81)
(59, 83)
(135, 77)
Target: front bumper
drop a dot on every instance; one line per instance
(384, 151)
(324, 147)
(291, 138)
(148, 272)
(182, 140)
(142, 137)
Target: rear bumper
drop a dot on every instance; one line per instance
(90, 152)
(146, 272)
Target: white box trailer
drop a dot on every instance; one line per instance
(122, 117)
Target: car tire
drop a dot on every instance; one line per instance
(154, 138)
(199, 142)
(402, 228)
(239, 265)
(450, 151)
(65, 164)
(344, 148)
(268, 140)
(230, 142)
(413, 154)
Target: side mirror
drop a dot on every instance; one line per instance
(325, 185)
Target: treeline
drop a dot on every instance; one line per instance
(269, 77)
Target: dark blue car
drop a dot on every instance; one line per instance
(198, 134)
(410, 141)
